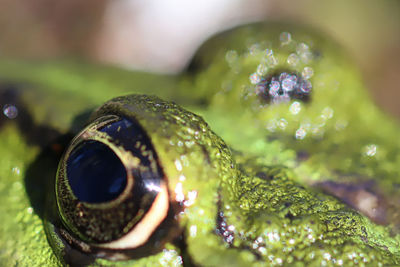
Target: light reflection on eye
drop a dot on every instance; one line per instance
(153, 187)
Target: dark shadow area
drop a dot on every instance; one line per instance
(40, 174)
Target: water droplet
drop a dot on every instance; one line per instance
(270, 59)
(268, 52)
(282, 124)
(370, 150)
(274, 88)
(305, 86)
(254, 49)
(282, 87)
(289, 82)
(304, 52)
(302, 48)
(192, 195)
(262, 69)
(255, 78)
(285, 38)
(178, 165)
(301, 133)
(271, 125)
(327, 113)
(318, 131)
(341, 125)
(29, 210)
(193, 230)
(327, 256)
(16, 170)
(231, 56)
(307, 73)
(262, 250)
(10, 111)
(295, 108)
(179, 196)
(293, 60)
(306, 57)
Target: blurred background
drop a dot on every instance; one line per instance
(162, 35)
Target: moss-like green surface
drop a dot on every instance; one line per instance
(263, 165)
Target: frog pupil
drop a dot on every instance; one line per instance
(95, 173)
(284, 86)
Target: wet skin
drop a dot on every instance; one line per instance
(255, 175)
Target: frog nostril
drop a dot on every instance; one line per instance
(95, 173)
(282, 86)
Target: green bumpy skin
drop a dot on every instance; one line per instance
(298, 183)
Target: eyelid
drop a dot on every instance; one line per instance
(91, 202)
(143, 230)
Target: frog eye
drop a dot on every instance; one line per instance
(261, 65)
(111, 191)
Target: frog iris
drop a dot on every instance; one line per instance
(111, 191)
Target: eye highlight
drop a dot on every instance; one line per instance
(110, 189)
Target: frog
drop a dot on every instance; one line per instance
(266, 151)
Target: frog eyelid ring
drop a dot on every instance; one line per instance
(109, 189)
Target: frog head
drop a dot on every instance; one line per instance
(274, 154)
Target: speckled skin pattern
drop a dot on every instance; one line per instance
(286, 182)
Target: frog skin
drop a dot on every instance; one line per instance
(288, 178)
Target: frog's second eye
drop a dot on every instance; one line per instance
(283, 86)
(111, 191)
